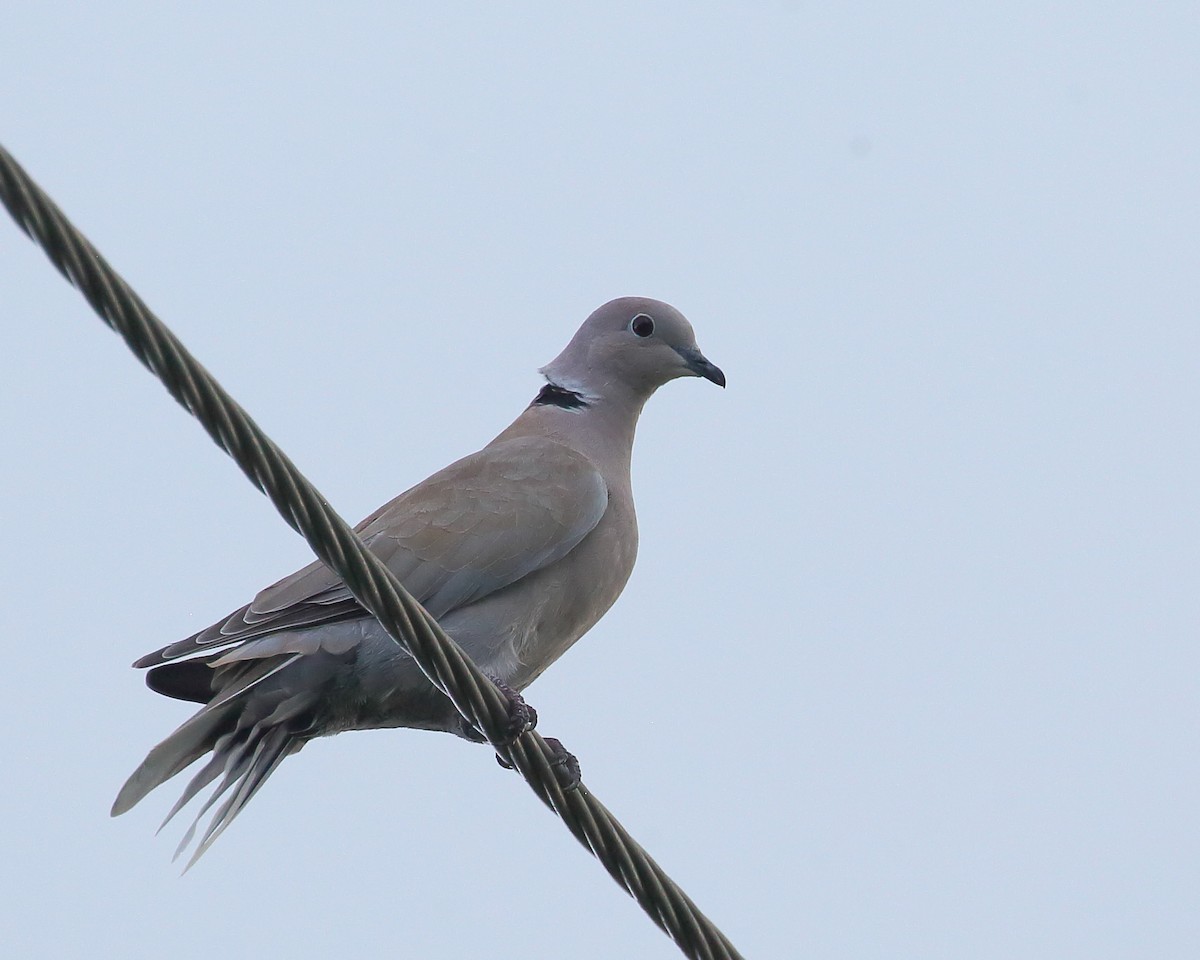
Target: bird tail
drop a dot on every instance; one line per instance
(249, 727)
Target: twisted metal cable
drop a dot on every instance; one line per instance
(374, 586)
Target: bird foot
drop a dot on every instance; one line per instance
(521, 716)
(564, 764)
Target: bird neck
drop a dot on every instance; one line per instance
(601, 428)
(555, 395)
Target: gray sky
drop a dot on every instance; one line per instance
(908, 667)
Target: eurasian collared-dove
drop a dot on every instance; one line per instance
(516, 550)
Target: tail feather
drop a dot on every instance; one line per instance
(250, 677)
(232, 760)
(186, 745)
(273, 746)
(255, 719)
(206, 775)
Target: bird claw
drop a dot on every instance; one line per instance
(564, 764)
(521, 716)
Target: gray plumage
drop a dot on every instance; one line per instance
(517, 550)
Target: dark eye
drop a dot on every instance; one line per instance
(642, 325)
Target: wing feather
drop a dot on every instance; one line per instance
(482, 523)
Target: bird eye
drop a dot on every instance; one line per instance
(642, 325)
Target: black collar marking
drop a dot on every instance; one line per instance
(552, 395)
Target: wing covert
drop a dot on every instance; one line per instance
(475, 527)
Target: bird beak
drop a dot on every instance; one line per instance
(699, 365)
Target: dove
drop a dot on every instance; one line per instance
(516, 550)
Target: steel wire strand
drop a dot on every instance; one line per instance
(474, 694)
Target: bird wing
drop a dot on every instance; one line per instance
(478, 525)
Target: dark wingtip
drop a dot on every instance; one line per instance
(183, 680)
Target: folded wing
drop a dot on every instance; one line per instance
(475, 527)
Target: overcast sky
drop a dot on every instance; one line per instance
(909, 664)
